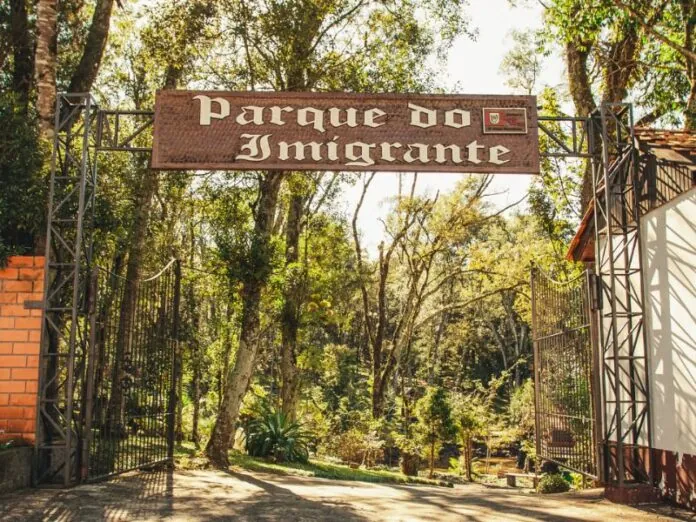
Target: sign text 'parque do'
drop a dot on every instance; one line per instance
(338, 131)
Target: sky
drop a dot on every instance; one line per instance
(473, 67)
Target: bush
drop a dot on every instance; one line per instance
(22, 192)
(410, 454)
(409, 464)
(273, 435)
(349, 446)
(455, 466)
(521, 409)
(553, 484)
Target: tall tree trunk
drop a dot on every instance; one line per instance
(86, 73)
(222, 380)
(580, 86)
(143, 205)
(195, 436)
(435, 351)
(254, 282)
(194, 315)
(432, 458)
(22, 52)
(46, 63)
(291, 310)
(688, 8)
(690, 112)
(467, 456)
(378, 384)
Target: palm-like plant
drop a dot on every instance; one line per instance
(274, 435)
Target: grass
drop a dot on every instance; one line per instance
(186, 457)
(327, 470)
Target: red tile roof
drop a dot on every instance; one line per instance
(673, 145)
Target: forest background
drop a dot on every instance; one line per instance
(290, 325)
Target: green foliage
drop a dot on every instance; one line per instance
(408, 444)
(470, 414)
(576, 480)
(468, 332)
(522, 408)
(659, 76)
(553, 484)
(435, 424)
(349, 446)
(455, 466)
(22, 198)
(523, 64)
(529, 447)
(434, 414)
(273, 435)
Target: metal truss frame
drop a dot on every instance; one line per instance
(67, 265)
(83, 130)
(623, 349)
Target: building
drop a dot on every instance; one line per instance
(640, 240)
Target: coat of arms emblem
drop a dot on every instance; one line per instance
(509, 120)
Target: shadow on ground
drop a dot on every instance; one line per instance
(153, 496)
(241, 496)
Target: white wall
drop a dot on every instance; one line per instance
(628, 297)
(669, 270)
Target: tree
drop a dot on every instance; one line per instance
(617, 50)
(672, 25)
(256, 275)
(307, 195)
(470, 417)
(87, 69)
(191, 29)
(21, 41)
(594, 35)
(426, 252)
(46, 62)
(435, 424)
(524, 63)
(20, 176)
(476, 415)
(47, 55)
(298, 45)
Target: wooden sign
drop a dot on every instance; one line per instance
(204, 130)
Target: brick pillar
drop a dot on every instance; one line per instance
(20, 338)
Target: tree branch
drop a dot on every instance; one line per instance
(687, 53)
(358, 253)
(456, 306)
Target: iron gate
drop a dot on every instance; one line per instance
(131, 378)
(564, 372)
(88, 427)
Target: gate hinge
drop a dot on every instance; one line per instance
(595, 292)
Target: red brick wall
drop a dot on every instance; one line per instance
(20, 335)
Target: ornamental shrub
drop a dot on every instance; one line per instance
(350, 446)
(553, 484)
(273, 435)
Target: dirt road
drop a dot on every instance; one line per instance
(245, 496)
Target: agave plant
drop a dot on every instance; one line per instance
(274, 435)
